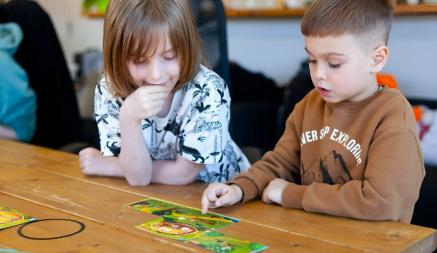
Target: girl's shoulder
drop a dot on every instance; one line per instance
(207, 78)
(207, 90)
(102, 82)
(103, 89)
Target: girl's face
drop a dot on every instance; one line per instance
(162, 68)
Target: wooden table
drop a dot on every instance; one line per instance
(49, 184)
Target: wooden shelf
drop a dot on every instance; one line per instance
(401, 10)
(90, 14)
(264, 13)
(421, 9)
(281, 12)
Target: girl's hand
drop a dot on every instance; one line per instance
(273, 192)
(91, 162)
(144, 102)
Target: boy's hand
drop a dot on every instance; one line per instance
(273, 192)
(219, 194)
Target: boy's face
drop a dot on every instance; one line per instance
(341, 69)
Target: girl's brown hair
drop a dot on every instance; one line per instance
(137, 27)
(356, 17)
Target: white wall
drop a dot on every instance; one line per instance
(413, 56)
(272, 46)
(275, 46)
(76, 32)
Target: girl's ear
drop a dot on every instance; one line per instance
(379, 58)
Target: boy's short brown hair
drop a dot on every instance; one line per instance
(137, 27)
(357, 17)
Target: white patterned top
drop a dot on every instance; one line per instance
(196, 127)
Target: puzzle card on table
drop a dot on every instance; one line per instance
(10, 218)
(174, 230)
(181, 214)
(222, 243)
(191, 226)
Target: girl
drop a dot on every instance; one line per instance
(162, 116)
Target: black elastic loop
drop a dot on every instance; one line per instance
(20, 230)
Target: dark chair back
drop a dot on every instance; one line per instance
(425, 211)
(41, 56)
(211, 22)
(252, 111)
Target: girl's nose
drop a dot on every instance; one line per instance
(154, 72)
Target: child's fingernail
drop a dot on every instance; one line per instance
(218, 203)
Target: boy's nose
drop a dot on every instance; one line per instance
(320, 73)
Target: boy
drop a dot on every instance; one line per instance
(350, 147)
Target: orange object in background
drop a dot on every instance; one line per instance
(418, 112)
(387, 79)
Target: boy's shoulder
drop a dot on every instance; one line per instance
(393, 109)
(392, 98)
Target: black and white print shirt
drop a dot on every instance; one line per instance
(196, 127)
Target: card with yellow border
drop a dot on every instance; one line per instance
(10, 218)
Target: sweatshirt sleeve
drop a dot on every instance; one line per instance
(283, 162)
(388, 191)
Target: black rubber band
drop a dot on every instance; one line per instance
(20, 230)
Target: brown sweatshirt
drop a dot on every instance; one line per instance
(352, 159)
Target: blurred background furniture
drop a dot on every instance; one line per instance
(211, 22)
(255, 98)
(425, 211)
(40, 54)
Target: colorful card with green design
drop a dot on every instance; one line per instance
(174, 230)
(181, 214)
(221, 243)
(10, 218)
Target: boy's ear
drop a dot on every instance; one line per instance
(379, 58)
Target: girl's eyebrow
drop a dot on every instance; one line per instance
(168, 50)
(164, 52)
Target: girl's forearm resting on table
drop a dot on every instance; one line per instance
(177, 172)
(134, 159)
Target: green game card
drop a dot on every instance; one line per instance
(191, 226)
(180, 214)
(10, 218)
(174, 230)
(222, 243)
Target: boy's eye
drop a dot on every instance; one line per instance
(310, 61)
(334, 66)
